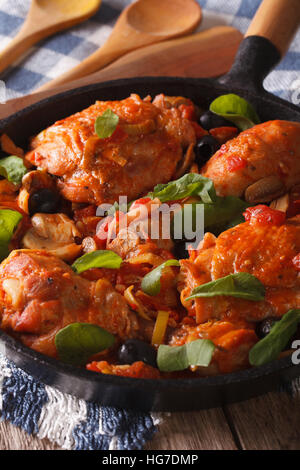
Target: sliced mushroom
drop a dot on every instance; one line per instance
(163, 101)
(88, 245)
(186, 162)
(37, 179)
(141, 128)
(264, 190)
(23, 200)
(32, 182)
(281, 204)
(55, 233)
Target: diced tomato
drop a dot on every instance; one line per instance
(93, 366)
(264, 215)
(200, 132)
(296, 262)
(119, 215)
(223, 134)
(236, 163)
(102, 232)
(140, 202)
(188, 111)
(137, 370)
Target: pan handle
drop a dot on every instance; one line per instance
(266, 41)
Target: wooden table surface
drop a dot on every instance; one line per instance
(269, 422)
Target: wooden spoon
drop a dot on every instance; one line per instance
(140, 24)
(206, 54)
(46, 17)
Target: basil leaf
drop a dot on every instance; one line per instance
(190, 184)
(223, 211)
(222, 214)
(97, 259)
(195, 353)
(235, 109)
(151, 282)
(9, 221)
(77, 342)
(268, 348)
(12, 168)
(106, 124)
(241, 285)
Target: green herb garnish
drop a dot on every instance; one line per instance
(9, 221)
(235, 109)
(106, 124)
(195, 353)
(269, 348)
(12, 168)
(241, 285)
(97, 259)
(77, 342)
(151, 282)
(190, 184)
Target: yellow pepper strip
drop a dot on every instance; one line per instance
(134, 303)
(160, 327)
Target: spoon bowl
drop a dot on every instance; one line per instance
(140, 24)
(143, 16)
(46, 17)
(75, 9)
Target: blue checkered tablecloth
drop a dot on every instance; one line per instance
(57, 54)
(39, 409)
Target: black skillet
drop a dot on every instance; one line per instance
(256, 57)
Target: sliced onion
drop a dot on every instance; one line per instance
(134, 303)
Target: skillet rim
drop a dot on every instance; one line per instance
(240, 377)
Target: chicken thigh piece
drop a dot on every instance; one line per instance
(233, 342)
(146, 148)
(40, 294)
(261, 163)
(269, 251)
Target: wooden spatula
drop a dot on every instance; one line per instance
(204, 54)
(45, 18)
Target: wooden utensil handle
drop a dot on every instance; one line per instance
(15, 49)
(278, 21)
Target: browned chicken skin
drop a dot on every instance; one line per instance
(145, 149)
(233, 340)
(265, 250)
(269, 150)
(40, 294)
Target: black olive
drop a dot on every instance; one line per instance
(205, 148)
(264, 327)
(136, 350)
(44, 200)
(210, 120)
